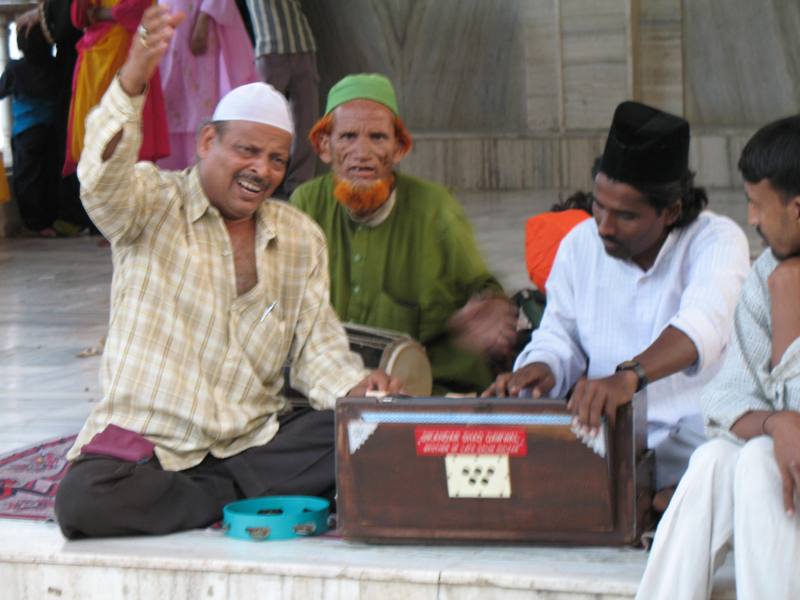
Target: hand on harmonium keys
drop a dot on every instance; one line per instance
(593, 398)
(533, 380)
(378, 381)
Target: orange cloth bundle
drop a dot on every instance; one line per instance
(543, 235)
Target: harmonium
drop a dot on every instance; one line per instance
(490, 470)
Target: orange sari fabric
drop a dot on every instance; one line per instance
(101, 53)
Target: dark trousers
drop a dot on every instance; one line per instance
(296, 77)
(70, 208)
(103, 496)
(36, 175)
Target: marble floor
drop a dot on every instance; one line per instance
(54, 305)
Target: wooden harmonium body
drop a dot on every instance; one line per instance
(488, 469)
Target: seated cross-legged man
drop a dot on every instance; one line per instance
(640, 299)
(403, 255)
(741, 488)
(214, 287)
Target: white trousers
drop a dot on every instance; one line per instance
(730, 492)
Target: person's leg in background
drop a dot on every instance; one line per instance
(31, 178)
(303, 94)
(295, 76)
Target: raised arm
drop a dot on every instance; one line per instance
(112, 192)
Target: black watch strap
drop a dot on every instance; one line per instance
(636, 367)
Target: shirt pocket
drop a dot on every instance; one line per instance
(265, 343)
(391, 313)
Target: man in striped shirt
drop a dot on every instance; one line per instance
(214, 288)
(742, 488)
(286, 59)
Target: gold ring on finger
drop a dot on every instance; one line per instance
(143, 35)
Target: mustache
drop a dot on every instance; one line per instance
(254, 180)
(608, 238)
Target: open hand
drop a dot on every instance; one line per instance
(784, 427)
(26, 20)
(150, 43)
(486, 326)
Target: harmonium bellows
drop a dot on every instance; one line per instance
(488, 469)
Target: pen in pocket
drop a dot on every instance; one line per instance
(267, 311)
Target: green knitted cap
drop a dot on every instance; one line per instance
(363, 86)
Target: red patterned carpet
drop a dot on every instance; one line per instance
(29, 479)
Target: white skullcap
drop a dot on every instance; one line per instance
(256, 102)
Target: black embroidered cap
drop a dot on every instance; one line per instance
(646, 145)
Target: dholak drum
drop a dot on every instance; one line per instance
(396, 353)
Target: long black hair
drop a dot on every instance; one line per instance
(663, 195)
(580, 200)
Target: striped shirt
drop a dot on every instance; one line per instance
(747, 382)
(190, 365)
(280, 27)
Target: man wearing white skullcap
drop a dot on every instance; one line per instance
(215, 287)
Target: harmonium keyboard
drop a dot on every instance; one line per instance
(489, 469)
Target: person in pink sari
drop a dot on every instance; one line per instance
(209, 55)
(108, 28)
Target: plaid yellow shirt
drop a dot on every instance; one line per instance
(188, 363)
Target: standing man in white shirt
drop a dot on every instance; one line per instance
(640, 299)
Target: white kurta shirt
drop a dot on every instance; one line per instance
(603, 310)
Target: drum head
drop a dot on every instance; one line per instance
(407, 360)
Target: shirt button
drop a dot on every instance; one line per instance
(356, 257)
(356, 289)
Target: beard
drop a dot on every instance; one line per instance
(617, 250)
(779, 256)
(362, 199)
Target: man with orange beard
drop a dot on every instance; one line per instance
(402, 253)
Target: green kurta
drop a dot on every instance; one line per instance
(410, 273)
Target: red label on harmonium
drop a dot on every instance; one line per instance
(441, 441)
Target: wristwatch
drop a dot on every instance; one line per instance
(636, 367)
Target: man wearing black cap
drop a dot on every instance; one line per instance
(640, 299)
